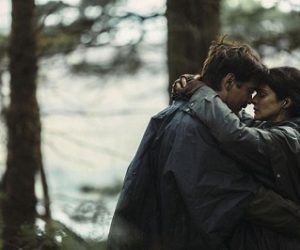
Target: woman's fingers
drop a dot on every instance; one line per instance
(180, 85)
(183, 81)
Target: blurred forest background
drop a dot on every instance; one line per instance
(79, 80)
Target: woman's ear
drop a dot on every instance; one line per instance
(286, 103)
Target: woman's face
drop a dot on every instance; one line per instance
(266, 105)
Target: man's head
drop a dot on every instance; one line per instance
(233, 70)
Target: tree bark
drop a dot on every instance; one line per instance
(192, 25)
(24, 127)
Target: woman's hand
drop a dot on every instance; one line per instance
(185, 86)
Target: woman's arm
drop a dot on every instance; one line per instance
(271, 210)
(268, 208)
(248, 144)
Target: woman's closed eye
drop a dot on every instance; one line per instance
(260, 93)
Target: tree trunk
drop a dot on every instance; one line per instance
(24, 127)
(192, 25)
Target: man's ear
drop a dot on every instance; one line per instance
(227, 81)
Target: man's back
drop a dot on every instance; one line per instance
(202, 191)
(189, 194)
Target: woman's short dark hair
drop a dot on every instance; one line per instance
(285, 82)
(238, 59)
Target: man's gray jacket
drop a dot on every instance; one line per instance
(181, 191)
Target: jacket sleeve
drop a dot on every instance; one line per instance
(248, 144)
(271, 210)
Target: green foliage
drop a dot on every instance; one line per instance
(99, 21)
(66, 239)
(52, 43)
(95, 23)
(55, 236)
(262, 27)
(124, 61)
(50, 7)
(32, 238)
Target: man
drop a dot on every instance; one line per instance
(182, 191)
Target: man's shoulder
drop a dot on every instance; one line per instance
(179, 117)
(175, 106)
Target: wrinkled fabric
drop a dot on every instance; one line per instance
(271, 210)
(270, 152)
(181, 191)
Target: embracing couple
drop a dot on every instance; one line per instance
(207, 176)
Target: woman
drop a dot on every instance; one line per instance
(268, 148)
